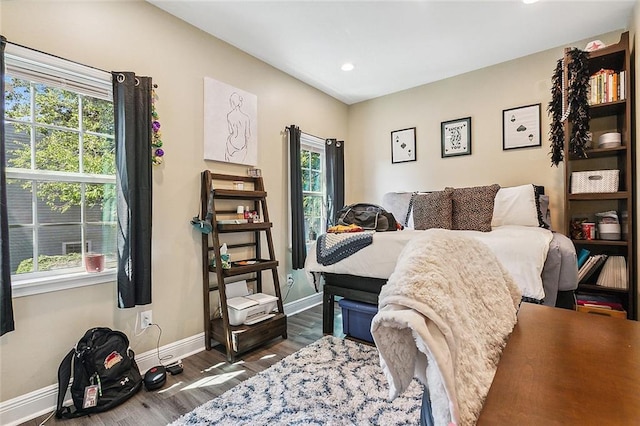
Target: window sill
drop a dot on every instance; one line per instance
(30, 287)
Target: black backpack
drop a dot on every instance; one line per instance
(367, 216)
(105, 373)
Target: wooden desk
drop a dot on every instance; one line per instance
(563, 367)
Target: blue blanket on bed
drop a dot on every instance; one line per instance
(332, 248)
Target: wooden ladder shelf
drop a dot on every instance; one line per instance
(241, 338)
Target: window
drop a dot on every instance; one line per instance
(60, 166)
(312, 162)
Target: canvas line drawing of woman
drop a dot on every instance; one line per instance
(239, 125)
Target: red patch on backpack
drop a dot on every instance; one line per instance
(112, 359)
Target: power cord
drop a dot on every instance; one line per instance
(166, 357)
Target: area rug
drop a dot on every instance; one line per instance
(330, 382)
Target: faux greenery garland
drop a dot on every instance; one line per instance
(578, 106)
(157, 153)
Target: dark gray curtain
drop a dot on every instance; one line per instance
(6, 306)
(132, 105)
(334, 152)
(298, 240)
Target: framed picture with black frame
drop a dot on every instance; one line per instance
(521, 127)
(403, 145)
(456, 137)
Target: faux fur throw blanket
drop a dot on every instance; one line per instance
(444, 317)
(332, 248)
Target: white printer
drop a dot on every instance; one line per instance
(251, 309)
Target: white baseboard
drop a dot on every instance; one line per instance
(43, 401)
(303, 304)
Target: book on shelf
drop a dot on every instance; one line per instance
(598, 300)
(590, 267)
(614, 273)
(583, 255)
(606, 86)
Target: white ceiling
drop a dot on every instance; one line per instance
(395, 45)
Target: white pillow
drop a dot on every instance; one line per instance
(515, 205)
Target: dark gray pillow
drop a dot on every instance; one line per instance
(472, 208)
(432, 210)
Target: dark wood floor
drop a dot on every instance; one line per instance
(206, 375)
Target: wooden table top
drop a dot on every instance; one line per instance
(563, 367)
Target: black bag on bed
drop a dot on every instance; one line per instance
(367, 216)
(105, 373)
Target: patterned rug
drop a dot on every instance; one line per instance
(330, 382)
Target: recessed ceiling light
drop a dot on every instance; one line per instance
(529, 1)
(348, 66)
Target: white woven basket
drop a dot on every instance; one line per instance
(595, 181)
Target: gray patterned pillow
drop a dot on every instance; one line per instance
(432, 210)
(473, 207)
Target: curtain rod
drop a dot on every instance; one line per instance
(60, 57)
(286, 129)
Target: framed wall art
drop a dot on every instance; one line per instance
(403, 145)
(230, 124)
(456, 137)
(521, 127)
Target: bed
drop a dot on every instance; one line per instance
(542, 262)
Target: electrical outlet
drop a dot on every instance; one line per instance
(146, 319)
(290, 280)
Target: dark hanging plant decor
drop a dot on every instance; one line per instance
(578, 98)
(577, 110)
(555, 110)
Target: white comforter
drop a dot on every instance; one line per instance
(522, 250)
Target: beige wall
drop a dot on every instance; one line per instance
(481, 95)
(136, 36)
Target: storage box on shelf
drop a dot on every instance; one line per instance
(603, 181)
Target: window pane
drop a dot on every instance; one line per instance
(98, 155)
(101, 203)
(314, 224)
(21, 248)
(56, 106)
(316, 181)
(103, 241)
(304, 159)
(17, 99)
(51, 242)
(58, 202)
(19, 200)
(317, 206)
(306, 180)
(307, 205)
(97, 115)
(57, 150)
(18, 145)
(315, 161)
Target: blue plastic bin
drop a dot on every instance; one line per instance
(356, 319)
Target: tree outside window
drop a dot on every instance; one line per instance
(61, 176)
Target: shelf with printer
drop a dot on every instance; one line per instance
(246, 317)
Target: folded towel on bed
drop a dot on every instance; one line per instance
(444, 317)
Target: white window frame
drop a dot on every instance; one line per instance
(316, 144)
(39, 67)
